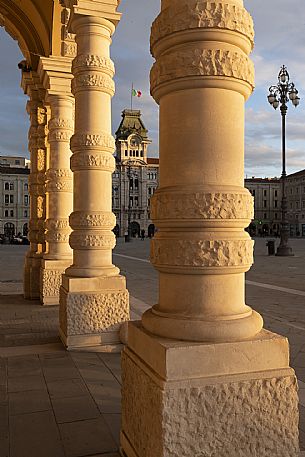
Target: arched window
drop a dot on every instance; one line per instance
(26, 186)
(6, 186)
(11, 186)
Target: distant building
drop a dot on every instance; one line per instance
(135, 178)
(14, 196)
(267, 205)
(12, 161)
(295, 191)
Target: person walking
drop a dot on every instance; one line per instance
(142, 234)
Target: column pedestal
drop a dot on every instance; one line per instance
(91, 312)
(206, 399)
(50, 280)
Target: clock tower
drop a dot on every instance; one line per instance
(131, 138)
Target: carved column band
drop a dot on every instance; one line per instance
(203, 74)
(38, 155)
(92, 282)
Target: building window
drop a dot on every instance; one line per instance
(131, 201)
(26, 186)
(6, 186)
(275, 215)
(17, 162)
(141, 153)
(12, 213)
(126, 152)
(297, 205)
(136, 183)
(6, 199)
(275, 203)
(265, 193)
(25, 213)
(297, 216)
(291, 205)
(297, 190)
(275, 193)
(6, 213)
(265, 215)
(265, 203)
(11, 186)
(11, 198)
(26, 200)
(136, 201)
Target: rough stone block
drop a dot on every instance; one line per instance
(248, 414)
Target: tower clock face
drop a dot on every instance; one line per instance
(134, 141)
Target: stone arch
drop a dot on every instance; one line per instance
(9, 230)
(31, 25)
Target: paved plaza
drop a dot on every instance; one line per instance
(54, 403)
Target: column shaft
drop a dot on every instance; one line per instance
(59, 187)
(93, 297)
(38, 156)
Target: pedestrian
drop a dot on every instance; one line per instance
(142, 234)
(126, 235)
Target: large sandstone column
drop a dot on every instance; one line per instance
(38, 155)
(94, 299)
(56, 75)
(200, 376)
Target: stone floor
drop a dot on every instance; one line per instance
(54, 403)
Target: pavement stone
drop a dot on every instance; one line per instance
(34, 435)
(86, 438)
(71, 409)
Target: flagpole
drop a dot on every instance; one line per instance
(131, 96)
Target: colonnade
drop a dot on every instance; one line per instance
(200, 375)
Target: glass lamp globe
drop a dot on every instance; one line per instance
(275, 104)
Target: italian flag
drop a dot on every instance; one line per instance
(136, 93)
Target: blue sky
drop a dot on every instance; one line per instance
(280, 32)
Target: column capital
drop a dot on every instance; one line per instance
(105, 9)
(55, 75)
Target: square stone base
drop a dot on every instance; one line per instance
(31, 278)
(50, 280)
(91, 312)
(183, 399)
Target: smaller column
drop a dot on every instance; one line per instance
(59, 186)
(37, 148)
(93, 297)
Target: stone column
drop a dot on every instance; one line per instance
(38, 153)
(200, 376)
(59, 186)
(94, 299)
(55, 75)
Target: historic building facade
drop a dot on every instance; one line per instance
(267, 205)
(201, 78)
(135, 178)
(14, 196)
(295, 191)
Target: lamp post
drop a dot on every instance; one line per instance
(279, 95)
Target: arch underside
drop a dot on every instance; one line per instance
(29, 22)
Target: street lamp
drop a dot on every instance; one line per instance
(279, 95)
